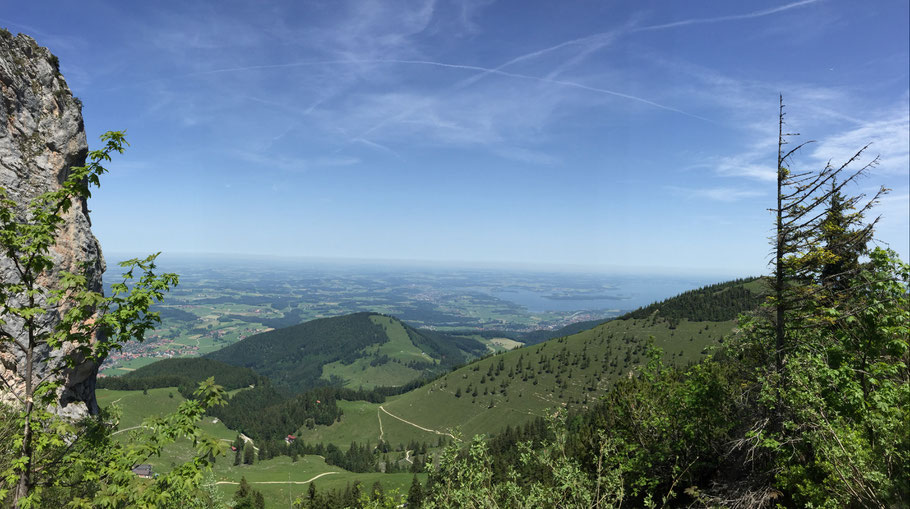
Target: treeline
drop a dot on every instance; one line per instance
(361, 458)
(261, 410)
(265, 412)
(181, 372)
(715, 303)
(356, 496)
(447, 348)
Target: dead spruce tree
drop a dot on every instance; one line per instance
(818, 235)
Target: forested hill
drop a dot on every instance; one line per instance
(714, 303)
(358, 350)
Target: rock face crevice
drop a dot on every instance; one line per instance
(42, 136)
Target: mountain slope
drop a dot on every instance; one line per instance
(569, 372)
(357, 350)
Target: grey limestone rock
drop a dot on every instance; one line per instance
(41, 137)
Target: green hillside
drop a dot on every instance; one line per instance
(358, 350)
(570, 372)
(277, 478)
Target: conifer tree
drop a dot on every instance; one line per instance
(415, 493)
(311, 492)
(243, 490)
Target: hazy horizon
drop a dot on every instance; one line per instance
(113, 257)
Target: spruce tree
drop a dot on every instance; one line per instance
(243, 490)
(415, 493)
(845, 239)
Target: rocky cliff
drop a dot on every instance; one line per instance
(41, 137)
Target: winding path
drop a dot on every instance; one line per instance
(127, 429)
(415, 425)
(279, 482)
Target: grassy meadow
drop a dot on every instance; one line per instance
(279, 479)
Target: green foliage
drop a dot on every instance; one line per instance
(843, 440)
(295, 355)
(108, 465)
(702, 435)
(449, 348)
(54, 461)
(464, 478)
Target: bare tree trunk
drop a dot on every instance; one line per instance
(24, 487)
(779, 280)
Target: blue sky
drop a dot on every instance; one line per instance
(592, 134)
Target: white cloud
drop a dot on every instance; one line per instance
(525, 155)
(888, 138)
(721, 194)
(294, 164)
(370, 29)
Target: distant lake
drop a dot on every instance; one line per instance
(625, 293)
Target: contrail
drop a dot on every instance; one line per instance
(374, 145)
(755, 14)
(466, 67)
(272, 66)
(610, 35)
(542, 80)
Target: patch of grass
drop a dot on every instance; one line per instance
(506, 343)
(361, 374)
